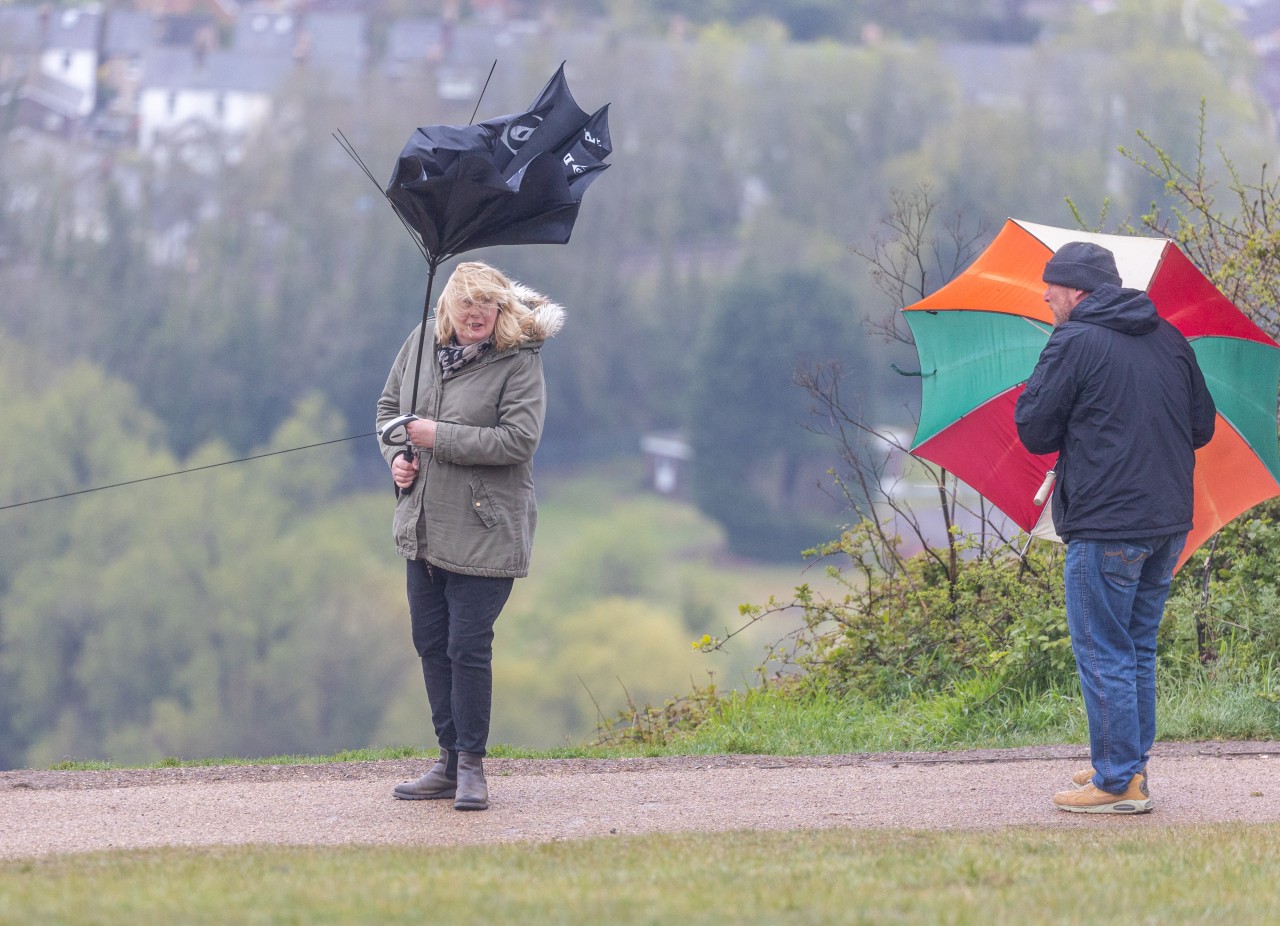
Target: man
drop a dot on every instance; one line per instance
(1118, 395)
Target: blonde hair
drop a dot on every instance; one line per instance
(476, 281)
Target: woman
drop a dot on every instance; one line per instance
(465, 514)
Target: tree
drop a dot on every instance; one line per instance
(755, 464)
(962, 607)
(234, 611)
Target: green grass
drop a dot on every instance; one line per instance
(974, 716)
(1098, 874)
(350, 755)
(771, 721)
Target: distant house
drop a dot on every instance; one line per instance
(49, 66)
(260, 30)
(454, 59)
(193, 96)
(198, 94)
(415, 43)
(336, 44)
(223, 12)
(125, 41)
(20, 44)
(70, 52)
(667, 457)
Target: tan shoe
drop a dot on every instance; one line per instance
(1084, 777)
(1091, 799)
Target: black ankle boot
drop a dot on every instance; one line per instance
(473, 790)
(438, 783)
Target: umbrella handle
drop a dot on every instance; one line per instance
(1046, 487)
(408, 453)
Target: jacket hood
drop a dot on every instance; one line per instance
(546, 317)
(1129, 311)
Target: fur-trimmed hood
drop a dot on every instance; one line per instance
(546, 318)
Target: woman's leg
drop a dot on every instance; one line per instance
(474, 603)
(429, 619)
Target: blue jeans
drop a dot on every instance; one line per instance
(1115, 592)
(452, 616)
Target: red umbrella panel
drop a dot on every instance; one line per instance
(979, 338)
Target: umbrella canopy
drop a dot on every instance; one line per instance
(979, 338)
(516, 179)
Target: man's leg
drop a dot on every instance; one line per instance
(1101, 584)
(1148, 609)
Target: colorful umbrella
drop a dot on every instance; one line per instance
(979, 337)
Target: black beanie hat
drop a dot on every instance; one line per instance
(1082, 265)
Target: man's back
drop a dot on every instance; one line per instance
(1119, 395)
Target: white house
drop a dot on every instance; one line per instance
(70, 52)
(190, 96)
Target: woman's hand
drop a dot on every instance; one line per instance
(422, 433)
(404, 471)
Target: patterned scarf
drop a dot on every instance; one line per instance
(454, 357)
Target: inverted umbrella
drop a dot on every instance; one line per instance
(515, 179)
(979, 338)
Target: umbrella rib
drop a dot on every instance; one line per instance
(492, 68)
(351, 151)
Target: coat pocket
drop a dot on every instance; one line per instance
(482, 502)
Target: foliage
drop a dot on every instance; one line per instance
(1225, 609)
(226, 294)
(194, 629)
(964, 612)
(753, 459)
(1227, 615)
(902, 627)
(250, 609)
(1236, 244)
(158, 316)
(620, 582)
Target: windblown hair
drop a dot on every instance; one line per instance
(522, 314)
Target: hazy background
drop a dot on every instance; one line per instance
(200, 301)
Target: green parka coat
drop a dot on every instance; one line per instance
(472, 508)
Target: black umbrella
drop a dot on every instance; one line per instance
(516, 179)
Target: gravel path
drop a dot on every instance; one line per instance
(45, 812)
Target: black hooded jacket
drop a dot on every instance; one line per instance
(1118, 394)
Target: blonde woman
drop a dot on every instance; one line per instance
(466, 513)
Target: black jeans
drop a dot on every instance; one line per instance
(452, 617)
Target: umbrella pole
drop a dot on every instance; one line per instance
(408, 451)
(422, 333)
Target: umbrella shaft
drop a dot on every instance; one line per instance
(422, 334)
